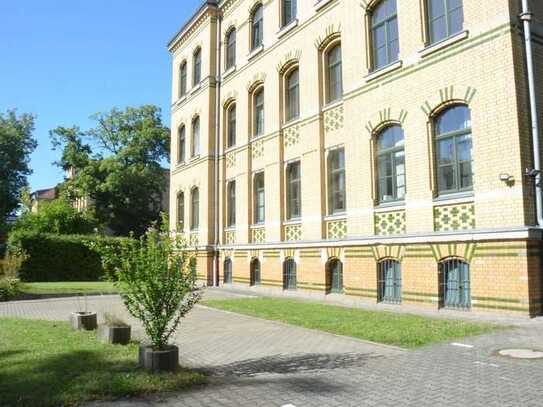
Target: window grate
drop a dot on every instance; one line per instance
(389, 282)
(454, 285)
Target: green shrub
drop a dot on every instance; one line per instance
(59, 257)
(9, 288)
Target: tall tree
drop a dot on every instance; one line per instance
(16, 145)
(118, 166)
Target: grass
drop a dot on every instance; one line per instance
(406, 331)
(69, 287)
(45, 364)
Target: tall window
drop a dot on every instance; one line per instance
(197, 67)
(288, 11)
(294, 191)
(231, 49)
(384, 34)
(180, 211)
(231, 205)
(183, 79)
(195, 145)
(293, 95)
(334, 276)
(289, 274)
(257, 27)
(258, 194)
(391, 164)
(334, 81)
(445, 18)
(389, 281)
(194, 209)
(255, 272)
(453, 150)
(258, 112)
(336, 181)
(227, 271)
(181, 148)
(231, 127)
(454, 284)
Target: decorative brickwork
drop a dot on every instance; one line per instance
(230, 237)
(333, 119)
(293, 232)
(258, 235)
(292, 135)
(257, 149)
(454, 217)
(193, 239)
(336, 229)
(230, 159)
(389, 223)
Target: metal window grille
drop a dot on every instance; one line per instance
(228, 271)
(389, 281)
(255, 272)
(454, 287)
(289, 274)
(334, 277)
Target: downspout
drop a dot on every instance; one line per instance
(526, 18)
(216, 211)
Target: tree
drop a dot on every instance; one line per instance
(118, 166)
(16, 145)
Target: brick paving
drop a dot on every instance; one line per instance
(252, 362)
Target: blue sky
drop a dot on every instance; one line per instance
(64, 60)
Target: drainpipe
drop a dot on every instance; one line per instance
(216, 209)
(526, 18)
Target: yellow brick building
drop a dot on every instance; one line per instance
(367, 148)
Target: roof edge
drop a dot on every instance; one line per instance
(191, 20)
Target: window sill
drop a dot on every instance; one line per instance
(257, 226)
(285, 29)
(228, 72)
(230, 228)
(320, 4)
(181, 164)
(257, 137)
(194, 157)
(332, 105)
(459, 197)
(444, 43)
(181, 99)
(291, 122)
(390, 206)
(229, 149)
(337, 216)
(383, 71)
(195, 88)
(255, 52)
(194, 231)
(296, 221)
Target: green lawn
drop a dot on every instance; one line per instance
(70, 287)
(407, 331)
(46, 364)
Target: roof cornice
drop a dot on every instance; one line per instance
(205, 11)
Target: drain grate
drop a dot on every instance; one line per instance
(521, 353)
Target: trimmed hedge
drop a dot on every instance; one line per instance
(59, 257)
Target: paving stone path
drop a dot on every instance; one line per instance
(252, 362)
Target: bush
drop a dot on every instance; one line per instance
(59, 257)
(9, 288)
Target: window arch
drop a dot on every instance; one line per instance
(289, 274)
(231, 48)
(389, 281)
(288, 11)
(197, 67)
(334, 76)
(255, 272)
(180, 212)
(182, 144)
(385, 42)
(227, 272)
(292, 94)
(334, 276)
(195, 142)
(390, 164)
(444, 19)
(452, 132)
(257, 26)
(194, 209)
(258, 111)
(454, 284)
(231, 123)
(183, 79)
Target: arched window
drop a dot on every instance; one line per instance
(194, 209)
(181, 148)
(227, 271)
(334, 276)
(231, 49)
(454, 284)
(195, 142)
(384, 34)
(292, 93)
(289, 274)
(255, 272)
(445, 18)
(453, 150)
(231, 126)
(334, 80)
(258, 112)
(197, 67)
(231, 204)
(183, 79)
(257, 27)
(390, 164)
(259, 198)
(180, 212)
(288, 11)
(389, 281)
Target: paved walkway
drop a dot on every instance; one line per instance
(253, 362)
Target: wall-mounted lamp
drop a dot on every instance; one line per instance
(506, 178)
